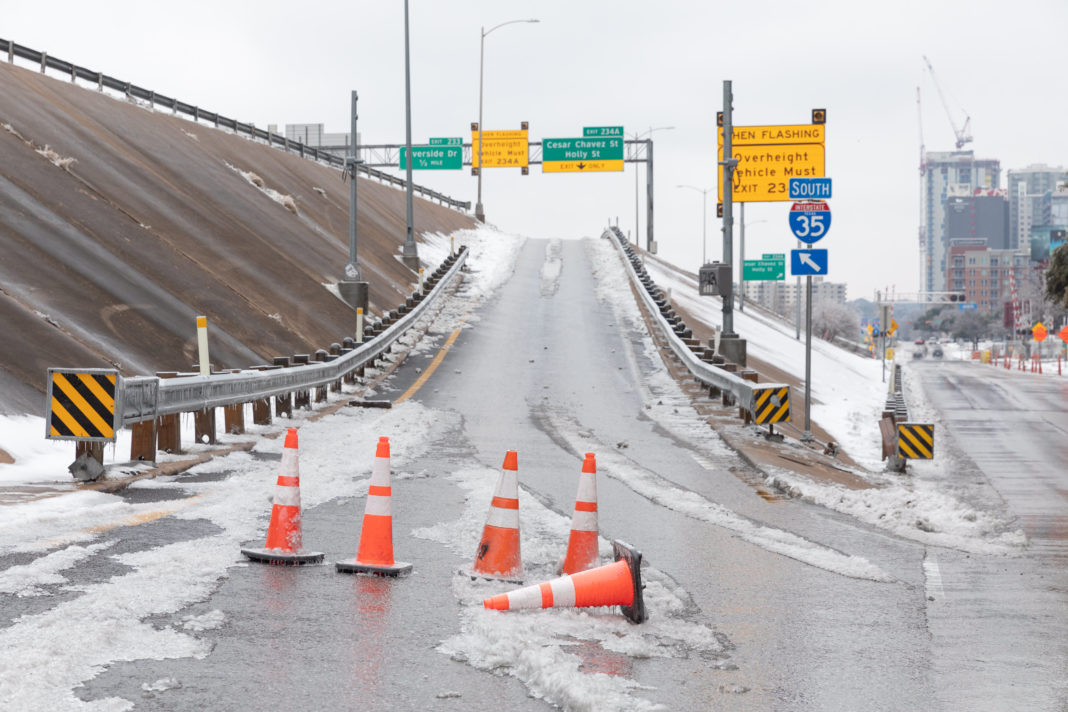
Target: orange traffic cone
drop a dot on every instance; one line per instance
(374, 554)
(498, 552)
(284, 544)
(582, 544)
(619, 583)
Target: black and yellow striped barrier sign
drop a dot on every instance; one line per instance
(915, 441)
(771, 405)
(81, 404)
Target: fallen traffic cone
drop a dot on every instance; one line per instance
(615, 584)
(375, 552)
(284, 545)
(498, 551)
(582, 543)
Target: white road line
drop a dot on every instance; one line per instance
(933, 578)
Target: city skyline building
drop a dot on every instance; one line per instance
(947, 174)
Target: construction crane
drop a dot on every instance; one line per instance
(963, 134)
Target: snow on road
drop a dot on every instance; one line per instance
(47, 662)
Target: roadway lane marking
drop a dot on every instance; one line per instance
(425, 376)
(933, 576)
(131, 520)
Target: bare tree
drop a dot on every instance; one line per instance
(831, 319)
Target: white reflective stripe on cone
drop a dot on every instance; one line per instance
(379, 506)
(287, 496)
(507, 484)
(587, 489)
(584, 522)
(563, 591)
(290, 460)
(529, 597)
(504, 518)
(380, 472)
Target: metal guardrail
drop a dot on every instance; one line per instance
(197, 114)
(706, 373)
(145, 398)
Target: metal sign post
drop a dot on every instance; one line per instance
(809, 222)
(806, 437)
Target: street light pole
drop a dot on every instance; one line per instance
(704, 219)
(410, 253)
(480, 213)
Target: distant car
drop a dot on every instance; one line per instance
(918, 342)
(936, 352)
(917, 354)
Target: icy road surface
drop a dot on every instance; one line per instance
(831, 601)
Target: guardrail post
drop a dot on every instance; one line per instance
(261, 408)
(234, 418)
(169, 429)
(320, 391)
(301, 398)
(283, 403)
(335, 351)
(10, 52)
(143, 441)
(204, 426)
(95, 450)
(744, 414)
(44, 62)
(234, 415)
(100, 81)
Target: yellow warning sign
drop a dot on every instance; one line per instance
(503, 149)
(915, 441)
(771, 405)
(763, 173)
(775, 135)
(81, 404)
(769, 156)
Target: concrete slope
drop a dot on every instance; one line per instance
(118, 225)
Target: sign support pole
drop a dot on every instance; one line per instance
(650, 244)
(728, 203)
(353, 290)
(741, 260)
(410, 253)
(884, 324)
(797, 321)
(807, 436)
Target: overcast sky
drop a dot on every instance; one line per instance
(635, 64)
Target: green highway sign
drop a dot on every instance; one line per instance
(765, 270)
(433, 158)
(581, 149)
(457, 141)
(781, 256)
(602, 131)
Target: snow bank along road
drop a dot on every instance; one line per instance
(142, 601)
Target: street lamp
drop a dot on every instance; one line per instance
(637, 136)
(704, 218)
(480, 214)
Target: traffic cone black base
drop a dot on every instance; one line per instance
(278, 558)
(399, 568)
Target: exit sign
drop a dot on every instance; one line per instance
(602, 131)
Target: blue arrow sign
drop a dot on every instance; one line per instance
(810, 188)
(808, 262)
(810, 221)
